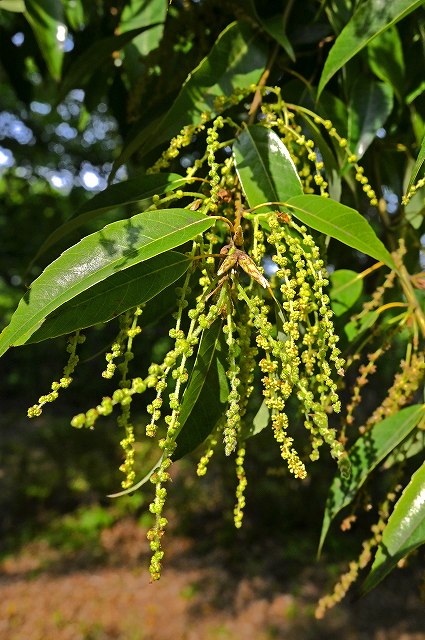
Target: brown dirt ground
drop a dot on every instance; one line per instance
(46, 596)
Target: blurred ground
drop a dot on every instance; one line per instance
(48, 594)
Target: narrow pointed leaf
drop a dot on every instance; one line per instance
(111, 297)
(116, 195)
(372, 18)
(405, 530)
(204, 397)
(369, 106)
(46, 18)
(340, 222)
(236, 60)
(367, 452)
(118, 246)
(418, 164)
(265, 168)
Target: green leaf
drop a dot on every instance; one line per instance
(111, 297)
(367, 452)
(274, 25)
(386, 59)
(236, 60)
(265, 168)
(143, 13)
(355, 329)
(409, 448)
(372, 18)
(414, 211)
(204, 397)
(75, 14)
(131, 191)
(96, 56)
(340, 222)
(405, 530)
(370, 104)
(118, 246)
(17, 6)
(418, 164)
(46, 18)
(346, 287)
(259, 423)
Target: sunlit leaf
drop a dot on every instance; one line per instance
(265, 168)
(367, 452)
(46, 18)
(111, 297)
(405, 530)
(18, 6)
(372, 18)
(131, 191)
(259, 422)
(339, 222)
(236, 60)
(142, 13)
(370, 104)
(118, 246)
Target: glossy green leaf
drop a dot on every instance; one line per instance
(405, 530)
(203, 400)
(367, 452)
(418, 164)
(370, 104)
(346, 288)
(121, 291)
(236, 60)
(17, 6)
(372, 18)
(46, 18)
(339, 222)
(386, 59)
(265, 168)
(95, 57)
(131, 191)
(118, 246)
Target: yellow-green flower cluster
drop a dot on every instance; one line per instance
(64, 382)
